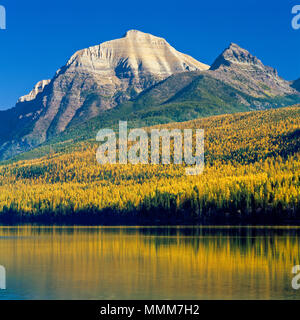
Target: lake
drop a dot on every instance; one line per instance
(149, 262)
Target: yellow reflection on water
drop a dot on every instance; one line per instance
(149, 263)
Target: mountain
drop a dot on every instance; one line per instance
(94, 79)
(142, 79)
(245, 72)
(237, 81)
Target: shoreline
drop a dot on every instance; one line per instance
(158, 219)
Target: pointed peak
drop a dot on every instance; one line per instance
(234, 45)
(234, 54)
(235, 48)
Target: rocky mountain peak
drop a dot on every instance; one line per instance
(242, 70)
(135, 55)
(133, 32)
(38, 88)
(234, 54)
(94, 79)
(141, 38)
(137, 34)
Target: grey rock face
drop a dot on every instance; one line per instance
(245, 72)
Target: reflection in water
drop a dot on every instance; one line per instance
(149, 263)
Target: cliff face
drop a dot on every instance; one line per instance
(94, 79)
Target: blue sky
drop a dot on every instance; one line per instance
(41, 36)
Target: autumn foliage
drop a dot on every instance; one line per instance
(252, 170)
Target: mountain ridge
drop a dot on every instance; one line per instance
(140, 75)
(94, 79)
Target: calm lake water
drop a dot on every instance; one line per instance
(149, 263)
